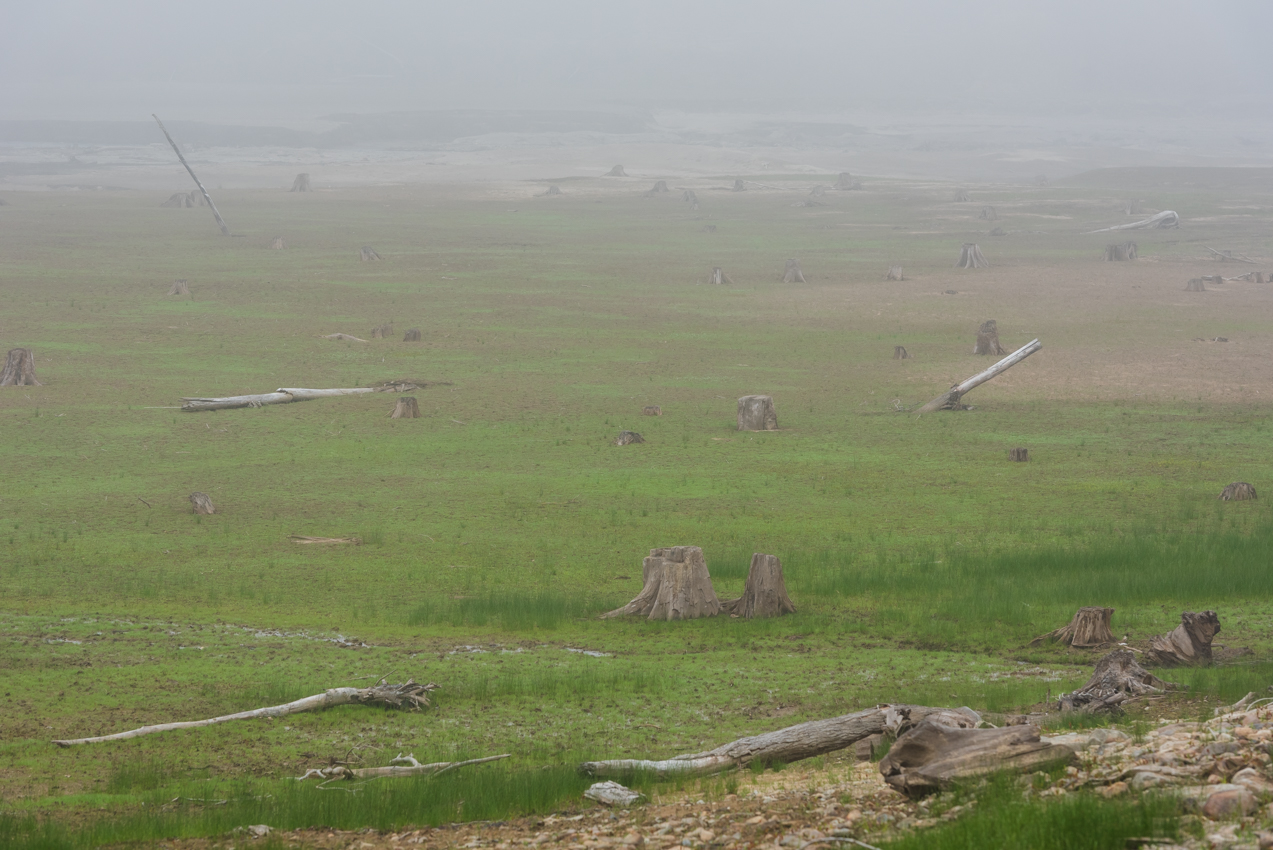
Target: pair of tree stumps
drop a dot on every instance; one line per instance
(677, 586)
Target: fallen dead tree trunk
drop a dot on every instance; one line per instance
(409, 694)
(286, 395)
(1166, 219)
(802, 741)
(949, 400)
(1116, 678)
(400, 766)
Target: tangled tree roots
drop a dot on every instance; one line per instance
(765, 594)
(406, 408)
(202, 504)
(301, 183)
(988, 339)
(627, 438)
(792, 273)
(19, 369)
(1116, 679)
(1238, 491)
(756, 413)
(1089, 627)
(970, 257)
(1188, 644)
(676, 586)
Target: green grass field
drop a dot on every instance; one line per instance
(497, 526)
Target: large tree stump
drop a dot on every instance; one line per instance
(301, 183)
(1196, 284)
(1116, 679)
(627, 438)
(1188, 644)
(900, 353)
(19, 369)
(933, 756)
(961, 197)
(1122, 251)
(792, 273)
(412, 335)
(180, 287)
(406, 408)
(988, 339)
(718, 277)
(764, 594)
(756, 413)
(202, 504)
(277, 244)
(367, 254)
(617, 171)
(988, 214)
(1019, 454)
(1089, 627)
(677, 586)
(1238, 491)
(970, 257)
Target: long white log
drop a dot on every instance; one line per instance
(286, 395)
(400, 766)
(951, 397)
(225, 230)
(1164, 219)
(409, 694)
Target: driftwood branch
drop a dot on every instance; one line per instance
(1231, 257)
(1163, 220)
(949, 400)
(409, 694)
(286, 395)
(400, 766)
(225, 231)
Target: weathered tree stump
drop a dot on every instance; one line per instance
(180, 287)
(627, 438)
(970, 257)
(718, 277)
(933, 756)
(998, 231)
(988, 214)
(1188, 644)
(367, 254)
(756, 413)
(1116, 679)
(651, 410)
(792, 273)
(961, 197)
(1122, 251)
(1132, 208)
(1089, 627)
(764, 594)
(277, 244)
(552, 191)
(202, 504)
(617, 171)
(845, 182)
(382, 331)
(660, 187)
(988, 339)
(406, 408)
(1018, 455)
(900, 353)
(412, 335)
(19, 369)
(1238, 491)
(1196, 284)
(301, 183)
(676, 586)
(895, 273)
(739, 186)
(179, 199)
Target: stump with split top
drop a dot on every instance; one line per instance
(676, 586)
(406, 408)
(756, 413)
(1238, 491)
(19, 369)
(765, 594)
(202, 504)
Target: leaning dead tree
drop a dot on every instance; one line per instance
(1123, 251)
(988, 339)
(1238, 491)
(951, 399)
(1116, 679)
(202, 504)
(784, 746)
(617, 171)
(180, 287)
(895, 273)
(718, 277)
(675, 586)
(900, 353)
(756, 413)
(1188, 644)
(288, 395)
(19, 369)
(970, 257)
(764, 594)
(792, 273)
(1230, 257)
(410, 695)
(1165, 220)
(1089, 627)
(301, 183)
(399, 766)
(412, 335)
(367, 254)
(225, 231)
(406, 408)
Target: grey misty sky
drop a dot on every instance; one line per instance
(289, 61)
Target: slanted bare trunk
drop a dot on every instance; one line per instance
(367, 254)
(617, 171)
(412, 335)
(951, 399)
(1122, 251)
(202, 504)
(900, 353)
(764, 594)
(1089, 627)
(895, 273)
(225, 228)
(1238, 491)
(970, 257)
(180, 287)
(19, 369)
(792, 274)
(988, 214)
(1116, 679)
(277, 243)
(718, 277)
(301, 183)
(1188, 644)
(756, 413)
(406, 408)
(651, 410)
(988, 339)
(627, 438)
(677, 586)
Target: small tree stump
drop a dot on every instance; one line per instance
(1238, 491)
(900, 353)
(1089, 627)
(764, 594)
(970, 257)
(1196, 284)
(1122, 251)
(988, 339)
(652, 410)
(179, 199)
(756, 413)
(660, 187)
(895, 273)
(988, 214)
(961, 197)
(1188, 644)
(277, 244)
(739, 186)
(552, 191)
(202, 504)
(792, 274)
(301, 183)
(718, 277)
(19, 369)
(406, 408)
(676, 586)
(412, 335)
(627, 438)
(617, 171)
(1116, 678)
(1019, 455)
(690, 198)
(382, 331)
(845, 182)
(180, 287)
(367, 254)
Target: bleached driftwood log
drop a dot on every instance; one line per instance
(1089, 627)
(612, 794)
(1164, 220)
(675, 586)
(949, 400)
(286, 395)
(344, 337)
(409, 694)
(1187, 644)
(1116, 678)
(399, 766)
(802, 741)
(764, 594)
